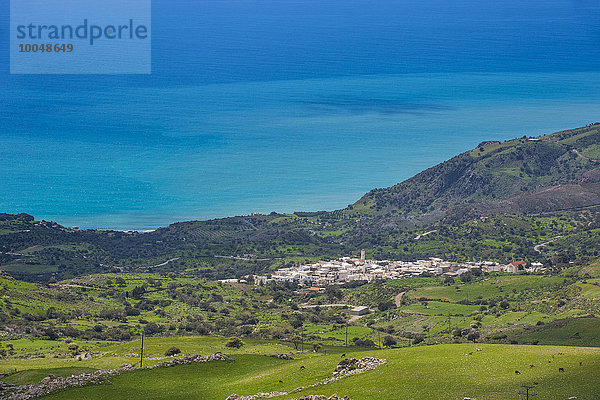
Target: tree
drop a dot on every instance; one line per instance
(137, 292)
(152, 328)
(51, 313)
(387, 305)
(333, 292)
(234, 342)
(296, 340)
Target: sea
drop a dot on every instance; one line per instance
(289, 105)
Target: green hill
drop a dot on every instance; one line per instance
(527, 175)
(498, 202)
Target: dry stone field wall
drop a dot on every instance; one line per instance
(52, 383)
(346, 367)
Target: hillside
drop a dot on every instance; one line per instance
(498, 202)
(550, 173)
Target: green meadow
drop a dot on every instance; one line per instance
(422, 372)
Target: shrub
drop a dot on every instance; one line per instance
(363, 342)
(234, 342)
(389, 341)
(174, 350)
(418, 339)
(388, 305)
(152, 328)
(74, 348)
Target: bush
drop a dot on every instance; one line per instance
(172, 351)
(363, 342)
(389, 341)
(234, 342)
(73, 348)
(418, 339)
(152, 328)
(388, 305)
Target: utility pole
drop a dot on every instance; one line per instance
(526, 393)
(449, 329)
(142, 352)
(346, 335)
(379, 339)
(302, 336)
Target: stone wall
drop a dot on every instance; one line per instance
(52, 383)
(346, 367)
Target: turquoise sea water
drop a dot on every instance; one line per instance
(288, 106)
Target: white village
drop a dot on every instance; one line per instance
(348, 269)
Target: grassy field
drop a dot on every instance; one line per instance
(114, 355)
(578, 331)
(35, 375)
(492, 287)
(501, 312)
(424, 372)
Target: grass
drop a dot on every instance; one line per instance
(114, 355)
(493, 287)
(29, 268)
(447, 372)
(576, 331)
(425, 373)
(589, 291)
(35, 375)
(440, 308)
(353, 331)
(216, 380)
(592, 151)
(155, 347)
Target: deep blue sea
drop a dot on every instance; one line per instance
(289, 105)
